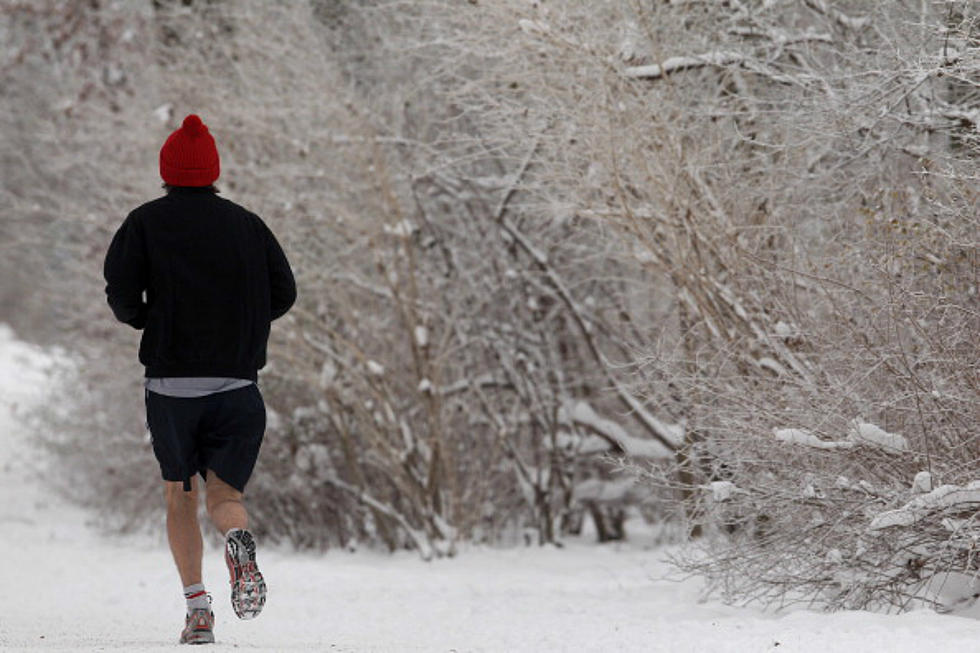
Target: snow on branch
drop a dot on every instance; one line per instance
(583, 414)
(967, 117)
(870, 435)
(722, 490)
(783, 38)
(861, 434)
(588, 445)
(675, 64)
(807, 439)
(727, 57)
(838, 16)
(594, 489)
(944, 497)
(486, 380)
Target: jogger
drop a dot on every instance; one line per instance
(203, 278)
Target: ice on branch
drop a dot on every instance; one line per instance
(867, 434)
(943, 497)
(421, 336)
(807, 439)
(375, 368)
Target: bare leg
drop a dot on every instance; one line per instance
(183, 531)
(225, 505)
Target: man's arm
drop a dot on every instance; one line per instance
(125, 274)
(281, 282)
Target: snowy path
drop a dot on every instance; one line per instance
(65, 588)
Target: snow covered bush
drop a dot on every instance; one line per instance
(797, 173)
(792, 182)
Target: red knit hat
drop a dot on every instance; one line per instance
(189, 157)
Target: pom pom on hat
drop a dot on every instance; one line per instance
(190, 157)
(193, 125)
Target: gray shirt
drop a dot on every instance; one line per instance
(194, 386)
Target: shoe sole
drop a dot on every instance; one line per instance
(199, 638)
(248, 590)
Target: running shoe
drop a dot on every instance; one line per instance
(199, 627)
(247, 585)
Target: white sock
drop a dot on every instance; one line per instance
(197, 598)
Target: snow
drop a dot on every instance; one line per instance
(861, 433)
(421, 336)
(595, 489)
(582, 413)
(533, 26)
(805, 438)
(721, 490)
(771, 364)
(673, 64)
(866, 486)
(784, 330)
(164, 113)
(375, 368)
(328, 373)
(68, 588)
(943, 497)
(868, 434)
(403, 228)
(922, 482)
(583, 445)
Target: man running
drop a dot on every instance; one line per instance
(203, 278)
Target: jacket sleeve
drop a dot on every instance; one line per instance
(126, 274)
(281, 282)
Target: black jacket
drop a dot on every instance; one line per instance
(214, 278)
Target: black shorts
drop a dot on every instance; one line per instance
(221, 432)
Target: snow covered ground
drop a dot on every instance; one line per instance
(66, 588)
